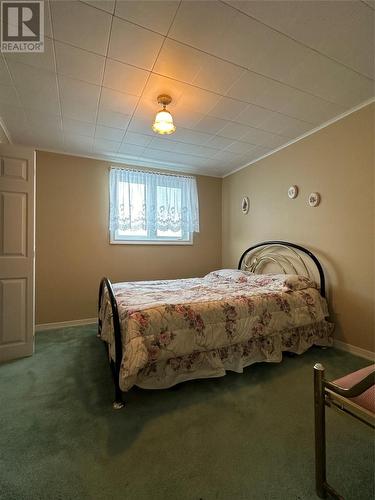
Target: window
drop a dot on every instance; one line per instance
(152, 207)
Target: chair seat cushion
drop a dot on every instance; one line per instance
(367, 398)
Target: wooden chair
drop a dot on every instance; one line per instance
(353, 394)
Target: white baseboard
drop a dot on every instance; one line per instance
(64, 324)
(358, 351)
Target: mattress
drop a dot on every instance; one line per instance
(176, 330)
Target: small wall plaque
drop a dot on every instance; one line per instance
(314, 199)
(293, 192)
(245, 205)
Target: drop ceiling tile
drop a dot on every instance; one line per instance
(37, 88)
(79, 99)
(110, 133)
(196, 150)
(203, 25)
(256, 109)
(133, 45)
(131, 149)
(107, 5)
(183, 116)
(331, 81)
(78, 127)
(159, 143)
(43, 60)
(191, 136)
(77, 142)
(346, 29)
(226, 156)
(257, 153)
(265, 139)
(271, 121)
(124, 78)
(235, 37)
(141, 125)
(276, 96)
(261, 49)
(286, 126)
(137, 139)
(195, 67)
(309, 108)
(81, 25)
(254, 115)
(257, 89)
(234, 130)
(210, 125)
(154, 15)
(79, 64)
(240, 147)
(204, 152)
(169, 158)
(219, 142)
(45, 124)
(105, 146)
(112, 118)
(227, 108)
(118, 101)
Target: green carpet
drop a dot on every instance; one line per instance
(246, 436)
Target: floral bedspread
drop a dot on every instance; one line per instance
(173, 329)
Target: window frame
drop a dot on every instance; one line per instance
(114, 239)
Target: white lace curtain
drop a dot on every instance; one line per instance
(152, 201)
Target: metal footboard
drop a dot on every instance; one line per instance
(115, 365)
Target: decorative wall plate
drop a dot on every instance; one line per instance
(293, 192)
(245, 205)
(314, 199)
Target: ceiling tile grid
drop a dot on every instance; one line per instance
(245, 77)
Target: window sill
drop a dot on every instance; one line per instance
(149, 242)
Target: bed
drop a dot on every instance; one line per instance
(161, 333)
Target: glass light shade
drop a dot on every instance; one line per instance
(163, 123)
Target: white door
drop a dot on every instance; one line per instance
(17, 249)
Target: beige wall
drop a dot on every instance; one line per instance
(72, 249)
(338, 162)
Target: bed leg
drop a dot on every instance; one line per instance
(118, 403)
(320, 437)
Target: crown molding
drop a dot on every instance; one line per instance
(307, 134)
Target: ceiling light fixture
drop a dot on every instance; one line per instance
(163, 123)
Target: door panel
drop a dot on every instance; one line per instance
(14, 235)
(13, 327)
(15, 168)
(17, 214)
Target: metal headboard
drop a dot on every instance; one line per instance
(289, 261)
